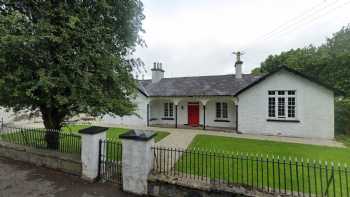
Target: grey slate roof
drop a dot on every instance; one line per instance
(219, 85)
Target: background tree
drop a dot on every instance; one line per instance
(68, 57)
(329, 63)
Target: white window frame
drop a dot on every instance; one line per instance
(286, 97)
(168, 111)
(221, 111)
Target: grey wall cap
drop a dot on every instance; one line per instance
(93, 130)
(140, 135)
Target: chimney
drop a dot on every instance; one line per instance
(238, 65)
(157, 72)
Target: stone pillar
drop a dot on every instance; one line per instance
(137, 160)
(90, 138)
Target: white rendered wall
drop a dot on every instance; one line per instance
(137, 164)
(90, 153)
(141, 110)
(6, 116)
(315, 108)
(157, 112)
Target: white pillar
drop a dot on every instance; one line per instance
(137, 160)
(90, 138)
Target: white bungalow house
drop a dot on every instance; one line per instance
(284, 102)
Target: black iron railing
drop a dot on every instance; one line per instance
(110, 161)
(41, 138)
(285, 176)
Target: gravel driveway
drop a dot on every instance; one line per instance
(19, 179)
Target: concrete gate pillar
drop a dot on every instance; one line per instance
(137, 160)
(90, 138)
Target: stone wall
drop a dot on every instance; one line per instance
(162, 186)
(59, 161)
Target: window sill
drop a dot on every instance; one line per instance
(167, 118)
(222, 121)
(282, 120)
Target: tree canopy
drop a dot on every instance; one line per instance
(69, 57)
(329, 63)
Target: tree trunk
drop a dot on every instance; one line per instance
(52, 119)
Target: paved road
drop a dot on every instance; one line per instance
(19, 179)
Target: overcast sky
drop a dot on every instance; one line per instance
(197, 37)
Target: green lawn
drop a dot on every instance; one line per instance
(345, 139)
(244, 161)
(70, 141)
(294, 150)
(112, 133)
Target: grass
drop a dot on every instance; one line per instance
(345, 139)
(112, 133)
(70, 141)
(229, 165)
(294, 150)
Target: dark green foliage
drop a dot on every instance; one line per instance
(69, 57)
(329, 63)
(342, 116)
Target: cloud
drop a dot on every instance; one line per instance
(197, 37)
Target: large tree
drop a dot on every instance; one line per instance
(68, 57)
(329, 63)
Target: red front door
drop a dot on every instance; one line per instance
(193, 114)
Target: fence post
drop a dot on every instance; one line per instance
(137, 160)
(90, 138)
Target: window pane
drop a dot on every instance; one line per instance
(166, 112)
(224, 110)
(171, 109)
(271, 92)
(280, 92)
(291, 92)
(218, 110)
(272, 112)
(281, 107)
(291, 107)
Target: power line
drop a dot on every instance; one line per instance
(295, 21)
(290, 20)
(317, 17)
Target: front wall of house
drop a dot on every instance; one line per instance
(157, 112)
(141, 120)
(314, 108)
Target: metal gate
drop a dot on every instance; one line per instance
(110, 161)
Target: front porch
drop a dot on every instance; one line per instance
(209, 128)
(213, 113)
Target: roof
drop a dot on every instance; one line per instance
(336, 91)
(215, 85)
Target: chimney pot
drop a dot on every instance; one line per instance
(157, 72)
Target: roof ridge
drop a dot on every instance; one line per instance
(199, 76)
